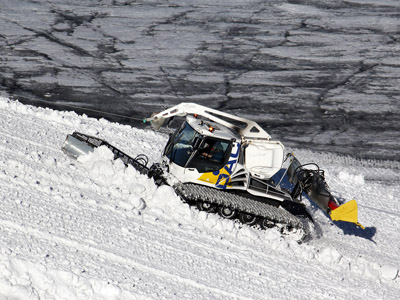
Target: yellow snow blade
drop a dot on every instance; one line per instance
(347, 212)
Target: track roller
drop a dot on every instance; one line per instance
(247, 219)
(207, 207)
(227, 212)
(265, 224)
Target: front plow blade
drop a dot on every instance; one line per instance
(75, 147)
(347, 212)
(77, 144)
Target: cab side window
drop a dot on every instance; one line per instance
(211, 156)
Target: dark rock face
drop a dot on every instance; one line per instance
(324, 75)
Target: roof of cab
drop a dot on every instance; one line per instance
(202, 126)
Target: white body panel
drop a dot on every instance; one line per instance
(264, 158)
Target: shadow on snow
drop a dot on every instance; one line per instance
(352, 229)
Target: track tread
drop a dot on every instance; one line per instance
(195, 192)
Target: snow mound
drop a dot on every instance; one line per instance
(122, 182)
(350, 178)
(329, 256)
(389, 272)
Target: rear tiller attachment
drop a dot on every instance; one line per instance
(312, 182)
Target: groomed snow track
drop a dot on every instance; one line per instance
(73, 230)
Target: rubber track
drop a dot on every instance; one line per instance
(195, 192)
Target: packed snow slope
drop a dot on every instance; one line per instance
(93, 229)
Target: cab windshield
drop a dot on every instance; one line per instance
(189, 149)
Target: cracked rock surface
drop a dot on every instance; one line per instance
(324, 75)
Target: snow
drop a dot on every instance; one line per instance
(93, 229)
